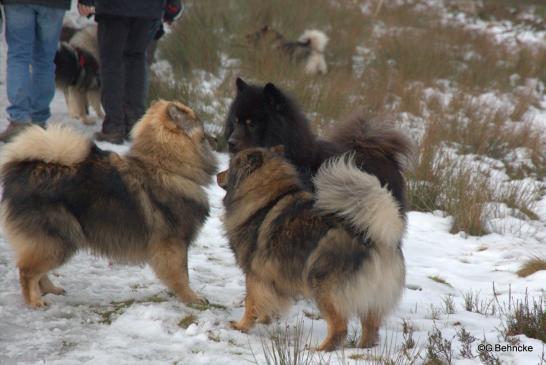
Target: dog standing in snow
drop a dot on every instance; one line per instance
(77, 72)
(309, 47)
(63, 194)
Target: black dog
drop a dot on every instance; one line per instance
(264, 116)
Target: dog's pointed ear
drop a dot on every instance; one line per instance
(278, 150)
(272, 95)
(181, 118)
(241, 85)
(255, 159)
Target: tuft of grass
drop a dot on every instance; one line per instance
(467, 343)
(435, 313)
(449, 304)
(439, 279)
(115, 309)
(531, 266)
(288, 345)
(315, 316)
(439, 349)
(207, 306)
(522, 197)
(527, 318)
(473, 302)
(187, 321)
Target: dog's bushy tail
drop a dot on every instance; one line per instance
(317, 39)
(379, 149)
(56, 144)
(358, 197)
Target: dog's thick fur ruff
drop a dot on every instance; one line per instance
(308, 49)
(63, 194)
(264, 116)
(78, 73)
(341, 247)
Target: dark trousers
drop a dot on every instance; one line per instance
(122, 46)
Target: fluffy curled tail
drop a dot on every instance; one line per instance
(379, 149)
(316, 38)
(56, 144)
(356, 196)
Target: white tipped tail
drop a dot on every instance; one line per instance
(318, 40)
(344, 190)
(56, 144)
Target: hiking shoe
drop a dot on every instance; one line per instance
(12, 130)
(115, 138)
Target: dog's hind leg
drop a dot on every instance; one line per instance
(169, 260)
(71, 102)
(66, 97)
(337, 324)
(79, 101)
(47, 287)
(250, 316)
(34, 262)
(370, 330)
(93, 96)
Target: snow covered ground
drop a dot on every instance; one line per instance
(114, 314)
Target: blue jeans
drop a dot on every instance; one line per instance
(32, 35)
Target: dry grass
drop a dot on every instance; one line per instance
(513, 10)
(532, 266)
(439, 279)
(471, 127)
(527, 318)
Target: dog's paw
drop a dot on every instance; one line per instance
(239, 326)
(88, 121)
(195, 299)
(368, 340)
(366, 343)
(264, 319)
(37, 304)
(57, 291)
(326, 346)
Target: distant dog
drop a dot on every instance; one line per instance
(309, 48)
(63, 194)
(265, 116)
(77, 72)
(341, 247)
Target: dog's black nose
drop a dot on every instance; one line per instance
(232, 146)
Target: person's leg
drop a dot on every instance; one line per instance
(20, 30)
(49, 22)
(134, 58)
(113, 35)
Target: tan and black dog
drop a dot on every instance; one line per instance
(63, 194)
(308, 49)
(340, 246)
(77, 72)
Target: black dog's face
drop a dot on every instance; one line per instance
(250, 115)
